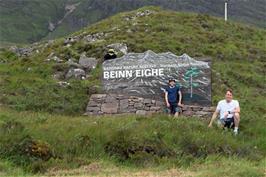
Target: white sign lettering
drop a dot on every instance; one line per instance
(117, 74)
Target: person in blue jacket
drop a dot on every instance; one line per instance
(173, 97)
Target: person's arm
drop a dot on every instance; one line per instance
(180, 98)
(166, 98)
(214, 116)
(237, 109)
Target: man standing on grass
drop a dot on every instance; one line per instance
(173, 97)
(229, 111)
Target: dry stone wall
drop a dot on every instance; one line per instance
(100, 104)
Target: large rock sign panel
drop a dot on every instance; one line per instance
(147, 74)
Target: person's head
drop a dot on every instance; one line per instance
(111, 51)
(229, 95)
(171, 82)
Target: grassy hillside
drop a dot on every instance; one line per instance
(26, 84)
(232, 46)
(27, 21)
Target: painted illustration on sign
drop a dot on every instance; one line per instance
(191, 72)
(147, 74)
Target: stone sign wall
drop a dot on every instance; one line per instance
(120, 104)
(146, 75)
(135, 83)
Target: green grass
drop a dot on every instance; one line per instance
(29, 85)
(127, 141)
(52, 120)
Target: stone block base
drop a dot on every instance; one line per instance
(100, 104)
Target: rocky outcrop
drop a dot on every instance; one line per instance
(22, 52)
(139, 14)
(31, 49)
(70, 40)
(53, 57)
(96, 37)
(71, 63)
(87, 63)
(73, 69)
(121, 104)
(76, 73)
(144, 13)
(81, 69)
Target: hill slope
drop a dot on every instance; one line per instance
(28, 83)
(153, 29)
(24, 21)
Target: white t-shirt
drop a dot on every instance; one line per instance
(223, 107)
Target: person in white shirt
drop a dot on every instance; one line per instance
(229, 111)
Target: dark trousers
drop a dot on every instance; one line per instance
(173, 108)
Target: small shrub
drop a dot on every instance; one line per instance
(144, 159)
(34, 149)
(28, 153)
(128, 148)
